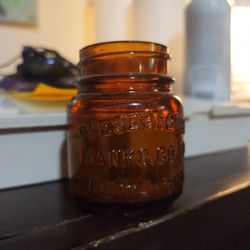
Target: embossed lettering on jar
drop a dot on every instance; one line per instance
(125, 139)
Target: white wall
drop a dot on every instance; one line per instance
(60, 27)
(162, 21)
(159, 21)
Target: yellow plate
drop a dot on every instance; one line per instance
(44, 92)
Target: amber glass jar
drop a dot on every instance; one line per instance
(125, 139)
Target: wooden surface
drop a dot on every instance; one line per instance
(212, 213)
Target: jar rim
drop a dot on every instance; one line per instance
(122, 46)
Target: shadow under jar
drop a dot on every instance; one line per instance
(125, 138)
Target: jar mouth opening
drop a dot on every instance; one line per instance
(131, 53)
(117, 47)
(124, 57)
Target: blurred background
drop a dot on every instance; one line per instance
(209, 44)
(67, 26)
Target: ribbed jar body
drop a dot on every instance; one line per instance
(125, 138)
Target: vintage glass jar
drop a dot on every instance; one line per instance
(125, 137)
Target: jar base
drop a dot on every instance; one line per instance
(168, 194)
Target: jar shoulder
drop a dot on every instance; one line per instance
(176, 104)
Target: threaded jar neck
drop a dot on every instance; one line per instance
(126, 63)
